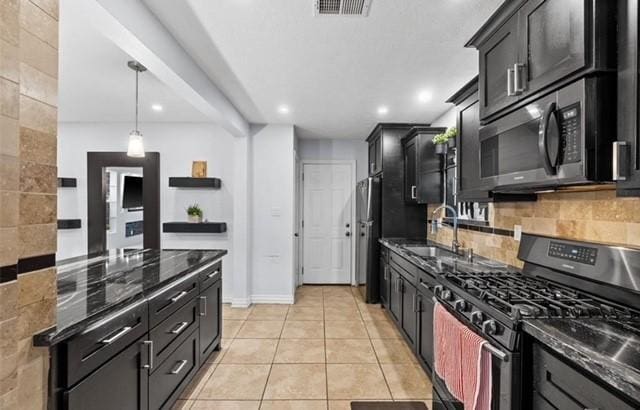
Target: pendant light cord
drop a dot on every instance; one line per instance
(137, 73)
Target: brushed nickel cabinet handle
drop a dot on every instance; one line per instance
(181, 326)
(117, 336)
(178, 367)
(178, 296)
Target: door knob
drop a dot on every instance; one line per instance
(347, 233)
(348, 225)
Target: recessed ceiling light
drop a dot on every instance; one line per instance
(157, 107)
(425, 96)
(383, 110)
(284, 109)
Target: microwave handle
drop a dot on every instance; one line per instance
(548, 125)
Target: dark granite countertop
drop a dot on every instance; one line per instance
(445, 261)
(610, 350)
(91, 287)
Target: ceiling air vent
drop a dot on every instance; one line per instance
(341, 7)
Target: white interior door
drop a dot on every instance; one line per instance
(327, 230)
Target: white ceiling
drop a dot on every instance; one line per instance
(333, 72)
(97, 86)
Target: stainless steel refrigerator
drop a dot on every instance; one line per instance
(368, 198)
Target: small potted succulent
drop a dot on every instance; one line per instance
(194, 213)
(445, 140)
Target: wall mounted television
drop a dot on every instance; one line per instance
(132, 193)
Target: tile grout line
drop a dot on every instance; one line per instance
(326, 359)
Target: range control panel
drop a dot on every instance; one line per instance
(574, 253)
(570, 128)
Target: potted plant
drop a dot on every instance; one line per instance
(445, 140)
(194, 213)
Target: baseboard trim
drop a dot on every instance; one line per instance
(259, 300)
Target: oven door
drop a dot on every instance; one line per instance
(539, 145)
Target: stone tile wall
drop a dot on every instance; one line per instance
(593, 216)
(28, 124)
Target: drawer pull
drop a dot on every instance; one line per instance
(117, 336)
(203, 303)
(178, 296)
(179, 328)
(178, 367)
(212, 274)
(149, 364)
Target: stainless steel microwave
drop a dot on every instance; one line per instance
(561, 138)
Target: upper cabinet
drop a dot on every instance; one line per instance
(422, 166)
(375, 154)
(628, 161)
(527, 47)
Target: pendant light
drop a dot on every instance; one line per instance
(136, 146)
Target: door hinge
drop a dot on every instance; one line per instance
(302, 270)
(303, 223)
(303, 176)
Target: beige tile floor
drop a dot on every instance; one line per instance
(326, 350)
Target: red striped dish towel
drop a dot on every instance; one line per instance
(461, 361)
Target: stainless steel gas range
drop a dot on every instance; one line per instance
(561, 280)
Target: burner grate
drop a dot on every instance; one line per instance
(521, 296)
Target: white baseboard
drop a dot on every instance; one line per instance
(258, 299)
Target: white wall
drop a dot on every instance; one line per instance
(178, 144)
(447, 119)
(272, 220)
(337, 149)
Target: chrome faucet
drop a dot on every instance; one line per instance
(455, 245)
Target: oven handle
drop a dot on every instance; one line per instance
(549, 120)
(487, 346)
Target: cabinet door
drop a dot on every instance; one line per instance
(384, 283)
(409, 316)
(123, 375)
(210, 322)
(375, 156)
(497, 58)
(552, 42)
(410, 170)
(378, 149)
(468, 149)
(395, 297)
(430, 165)
(425, 329)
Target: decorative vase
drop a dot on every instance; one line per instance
(196, 219)
(441, 149)
(451, 143)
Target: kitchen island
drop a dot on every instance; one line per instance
(133, 327)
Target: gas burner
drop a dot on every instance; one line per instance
(526, 309)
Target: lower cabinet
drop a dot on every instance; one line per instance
(210, 301)
(409, 315)
(424, 346)
(395, 297)
(384, 283)
(121, 383)
(143, 357)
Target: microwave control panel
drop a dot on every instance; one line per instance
(570, 129)
(574, 253)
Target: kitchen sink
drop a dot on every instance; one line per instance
(428, 251)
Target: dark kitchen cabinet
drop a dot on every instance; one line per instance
(558, 385)
(528, 47)
(210, 301)
(123, 374)
(409, 316)
(423, 168)
(398, 219)
(375, 156)
(497, 57)
(384, 283)
(410, 170)
(395, 296)
(424, 345)
(628, 184)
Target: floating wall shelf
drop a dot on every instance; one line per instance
(189, 227)
(69, 224)
(188, 182)
(67, 183)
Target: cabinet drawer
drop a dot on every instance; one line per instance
(210, 275)
(170, 333)
(168, 380)
(103, 340)
(567, 388)
(407, 269)
(163, 304)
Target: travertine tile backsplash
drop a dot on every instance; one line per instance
(28, 200)
(595, 216)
